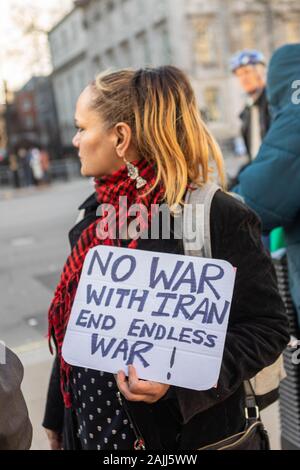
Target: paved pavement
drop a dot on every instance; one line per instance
(33, 248)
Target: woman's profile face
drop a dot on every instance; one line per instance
(96, 145)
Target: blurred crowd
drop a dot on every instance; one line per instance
(29, 167)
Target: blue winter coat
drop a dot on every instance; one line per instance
(271, 184)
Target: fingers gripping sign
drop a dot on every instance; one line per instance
(134, 389)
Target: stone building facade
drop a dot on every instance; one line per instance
(197, 35)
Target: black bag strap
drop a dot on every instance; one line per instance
(139, 443)
(252, 412)
(204, 196)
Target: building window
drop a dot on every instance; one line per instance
(26, 105)
(293, 31)
(110, 58)
(81, 79)
(74, 30)
(248, 37)
(97, 16)
(125, 10)
(163, 42)
(85, 23)
(110, 6)
(212, 110)
(140, 8)
(143, 49)
(29, 122)
(205, 43)
(65, 38)
(125, 54)
(72, 95)
(97, 13)
(97, 65)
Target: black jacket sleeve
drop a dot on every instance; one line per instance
(258, 327)
(54, 411)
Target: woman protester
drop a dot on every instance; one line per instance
(140, 135)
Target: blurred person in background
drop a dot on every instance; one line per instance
(45, 164)
(24, 158)
(271, 184)
(36, 166)
(249, 67)
(14, 168)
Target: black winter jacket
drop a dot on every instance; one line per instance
(257, 333)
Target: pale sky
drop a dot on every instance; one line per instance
(21, 56)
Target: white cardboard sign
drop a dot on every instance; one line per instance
(166, 314)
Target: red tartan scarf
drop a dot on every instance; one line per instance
(108, 189)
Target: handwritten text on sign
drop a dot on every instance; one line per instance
(166, 314)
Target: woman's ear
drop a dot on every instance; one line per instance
(123, 138)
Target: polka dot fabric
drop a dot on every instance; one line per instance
(102, 424)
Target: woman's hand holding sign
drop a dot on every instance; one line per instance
(134, 389)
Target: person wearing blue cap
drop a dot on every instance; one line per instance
(270, 186)
(249, 66)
